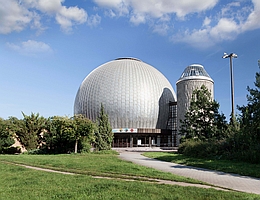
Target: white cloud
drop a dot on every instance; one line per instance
(207, 36)
(66, 16)
(17, 15)
(110, 13)
(206, 22)
(156, 8)
(252, 21)
(161, 29)
(198, 38)
(225, 22)
(226, 29)
(30, 47)
(138, 19)
(13, 17)
(110, 3)
(232, 20)
(94, 20)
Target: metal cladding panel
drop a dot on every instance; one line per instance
(134, 94)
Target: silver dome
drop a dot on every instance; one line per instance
(134, 94)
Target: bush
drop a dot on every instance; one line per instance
(85, 146)
(35, 152)
(250, 155)
(231, 149)
(11, 150)
(112, 152)
(201, 149)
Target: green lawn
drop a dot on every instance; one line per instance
(21, 183)
(108, 165)
(236, 167)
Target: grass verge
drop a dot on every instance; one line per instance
(242, 168)
(21, 183)
(106, 165)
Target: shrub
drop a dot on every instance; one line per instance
(201, 149)
(35, 152)
(11, 150)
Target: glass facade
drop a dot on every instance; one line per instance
(194, 70)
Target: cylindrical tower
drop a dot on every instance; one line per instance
(193, 77)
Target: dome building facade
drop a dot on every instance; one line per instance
(137, 97)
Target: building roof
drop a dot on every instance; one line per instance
(134, 94)
(194, 71)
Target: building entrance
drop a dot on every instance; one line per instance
(122, 140)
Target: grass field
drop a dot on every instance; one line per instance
(108, 165)
(21, 183)
(236, 167)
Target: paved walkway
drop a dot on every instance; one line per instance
(220, 179)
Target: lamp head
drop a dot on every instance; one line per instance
(234, 55)
(225, 55)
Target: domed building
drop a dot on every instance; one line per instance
(139, 100)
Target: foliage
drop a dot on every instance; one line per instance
(29, 130)
(6, 137)
(203, 121)
(65, 135)
(53, 135)
(250, 114)
(241, 140)
(199, 149)
(58, 137)
(84, 133)
(104, 135)
(245, 143)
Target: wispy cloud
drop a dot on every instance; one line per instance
(157, 8)
(224, 23)
(231, 21)
(30, 48)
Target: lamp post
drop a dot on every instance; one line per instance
(230, 56)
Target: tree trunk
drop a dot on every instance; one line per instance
(76, 146)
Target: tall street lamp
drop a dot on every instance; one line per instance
(230, 56)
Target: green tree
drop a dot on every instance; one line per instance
(59, 135)
(203, 121)
(29, 130)
(104, 135)
(6, 138)
(250, 114)
(84, 132)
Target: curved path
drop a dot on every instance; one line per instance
(220, 179)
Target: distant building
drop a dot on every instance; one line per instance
(139, 100)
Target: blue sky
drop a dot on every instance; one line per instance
(47, 47)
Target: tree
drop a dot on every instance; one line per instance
(203, 121)
(104, 135)
(59, 135)
(65, 134)
(29, 130)
(6, 138)
(250, 114)
(84, 132)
